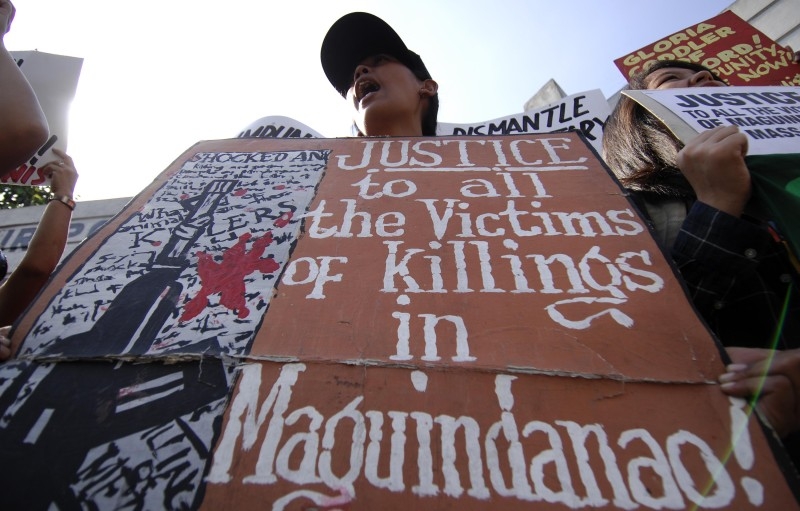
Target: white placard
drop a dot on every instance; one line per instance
(769, 116)
(586, 112)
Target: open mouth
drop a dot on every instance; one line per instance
(365, 87)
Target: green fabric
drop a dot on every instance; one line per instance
(776, 189)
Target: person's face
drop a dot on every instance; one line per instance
(384, 93)
(678, 77)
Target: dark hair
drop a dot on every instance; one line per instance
(639, 148)
(430, 119)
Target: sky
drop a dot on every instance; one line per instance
(158, 77)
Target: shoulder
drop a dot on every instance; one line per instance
(665, 214)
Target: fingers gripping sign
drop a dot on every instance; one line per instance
(713, 163)
(772, 379)
(5, 343)
(62, 174)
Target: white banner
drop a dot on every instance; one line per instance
(586, 112)
(769, 116)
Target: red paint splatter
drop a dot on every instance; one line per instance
(284, 219)
(155, 243)
(240, 191)
(184, 196)
(226, 278)
(279, 187)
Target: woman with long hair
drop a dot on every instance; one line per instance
(739, 274)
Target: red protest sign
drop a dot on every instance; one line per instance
(737, 51)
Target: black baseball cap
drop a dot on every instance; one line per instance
(359, 35)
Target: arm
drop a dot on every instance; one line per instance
(23, 126)
(735, 271)
(715, 246)
(46, 247)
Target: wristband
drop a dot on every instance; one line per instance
(63, 199)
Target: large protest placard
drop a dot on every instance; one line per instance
(736, 51)
(424, 323)
(54, 79)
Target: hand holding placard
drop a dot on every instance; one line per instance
(713, 163)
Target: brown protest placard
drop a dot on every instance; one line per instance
(453, 243)
(736, 51)
(470, 322)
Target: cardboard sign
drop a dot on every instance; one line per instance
(54, 79)
(735, 50)
(769, 116)
(470, 322)
(586, 112)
